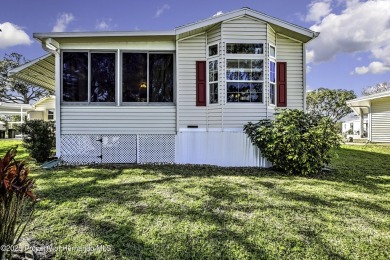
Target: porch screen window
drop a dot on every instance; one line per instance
(147, 77)
(88, 77)
(75, 77)
(134, 79)
(160, 77)
(102, 77)
(244, 80)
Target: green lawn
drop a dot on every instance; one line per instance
(196, 212)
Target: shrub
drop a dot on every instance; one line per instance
(39, 138)
(295, 142)
(15, 189)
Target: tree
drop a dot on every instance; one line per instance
(378, 88)
(329, 102)
(13, 90)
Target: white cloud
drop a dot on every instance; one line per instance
(218, 13)
(161, 10)
(363, 26)
(104, 25)
(62, 22)
(374, 67)
(308, 69)
(12, 35)
(318, 10)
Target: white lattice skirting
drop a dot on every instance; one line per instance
(84, 149)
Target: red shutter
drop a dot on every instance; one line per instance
(282, 84)
(201, 83)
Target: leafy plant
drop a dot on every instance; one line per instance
(15, 189)
(39, 138)
(329, 102)
(295, 142)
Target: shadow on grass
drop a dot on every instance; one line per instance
(191, 212)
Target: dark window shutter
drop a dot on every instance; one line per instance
(201, 83)
(282, 84)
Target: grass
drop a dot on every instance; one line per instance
(204, 212)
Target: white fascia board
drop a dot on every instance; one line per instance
(26, 65)
(250, 12)
(54, 35)
(370, 97)
(43, 99)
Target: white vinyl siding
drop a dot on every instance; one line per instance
(118, 120)
(44, 106)
(243, 30)
(380, 119)
(189, 51)
(292, 52)
(214, 35)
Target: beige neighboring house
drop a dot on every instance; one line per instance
(377, 109)
(43, 109)
(178, 96)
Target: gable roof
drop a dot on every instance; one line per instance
(280, 26)
(43, 100)
(363, 103)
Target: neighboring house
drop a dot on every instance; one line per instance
(12, 109)
(43, 109)
(353, 127)
(377, 109)
(180, 96)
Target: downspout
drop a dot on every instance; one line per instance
(52, 46)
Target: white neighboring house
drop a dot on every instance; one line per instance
(12, 109)
(43, 109)
(179, 96)
(353, 128)
(377, 109)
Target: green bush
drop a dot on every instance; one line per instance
(295, 142)
(15, 190)
(39, 138)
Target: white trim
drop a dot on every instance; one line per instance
(189, 37)
(58, 74)
(247, 11)
(288, 37)
(42, 36)
(240, 130)
(208, 50)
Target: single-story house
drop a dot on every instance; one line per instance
(43, 109)
(377, 109)
(353, 127)
(179, 96)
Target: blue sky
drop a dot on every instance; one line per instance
(352, 51)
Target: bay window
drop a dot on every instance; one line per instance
(244, 72)
(213, 53)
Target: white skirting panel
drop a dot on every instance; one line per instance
(228, 148)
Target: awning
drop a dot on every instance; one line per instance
(39, 72)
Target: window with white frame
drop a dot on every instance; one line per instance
(50, 114)
(244, 72)
(272, 75)
(213, 73)
(272, 82)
